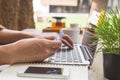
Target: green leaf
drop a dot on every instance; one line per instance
(108, 31)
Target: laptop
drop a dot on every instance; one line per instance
(79, 55)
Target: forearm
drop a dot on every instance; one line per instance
(4, 55)
(14, 52)
(10, 53)
(9, 36)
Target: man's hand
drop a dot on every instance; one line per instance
(65, 39)
(33, 49)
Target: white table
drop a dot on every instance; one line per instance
(10, 73)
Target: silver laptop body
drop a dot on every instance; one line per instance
(79, 55)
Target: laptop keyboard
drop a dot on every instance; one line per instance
(68, 56)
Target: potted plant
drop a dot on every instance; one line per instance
(108, 32)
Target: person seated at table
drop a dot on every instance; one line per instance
(18, 47)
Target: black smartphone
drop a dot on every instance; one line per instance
(44, 72)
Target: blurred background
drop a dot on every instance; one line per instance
(75, 11)
(38, 14)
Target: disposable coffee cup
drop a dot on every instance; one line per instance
(73, 33)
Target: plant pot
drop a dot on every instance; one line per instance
(111, 66)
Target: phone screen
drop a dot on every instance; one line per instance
(44, 70)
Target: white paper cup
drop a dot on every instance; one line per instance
(73, 33)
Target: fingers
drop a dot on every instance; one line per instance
(55, 44)
(66, 37)
(53, 50)
(67, 41)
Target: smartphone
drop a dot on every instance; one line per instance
(45, 72)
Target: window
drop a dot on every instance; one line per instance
(113, 4)
(74, 10)
(77, 6)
